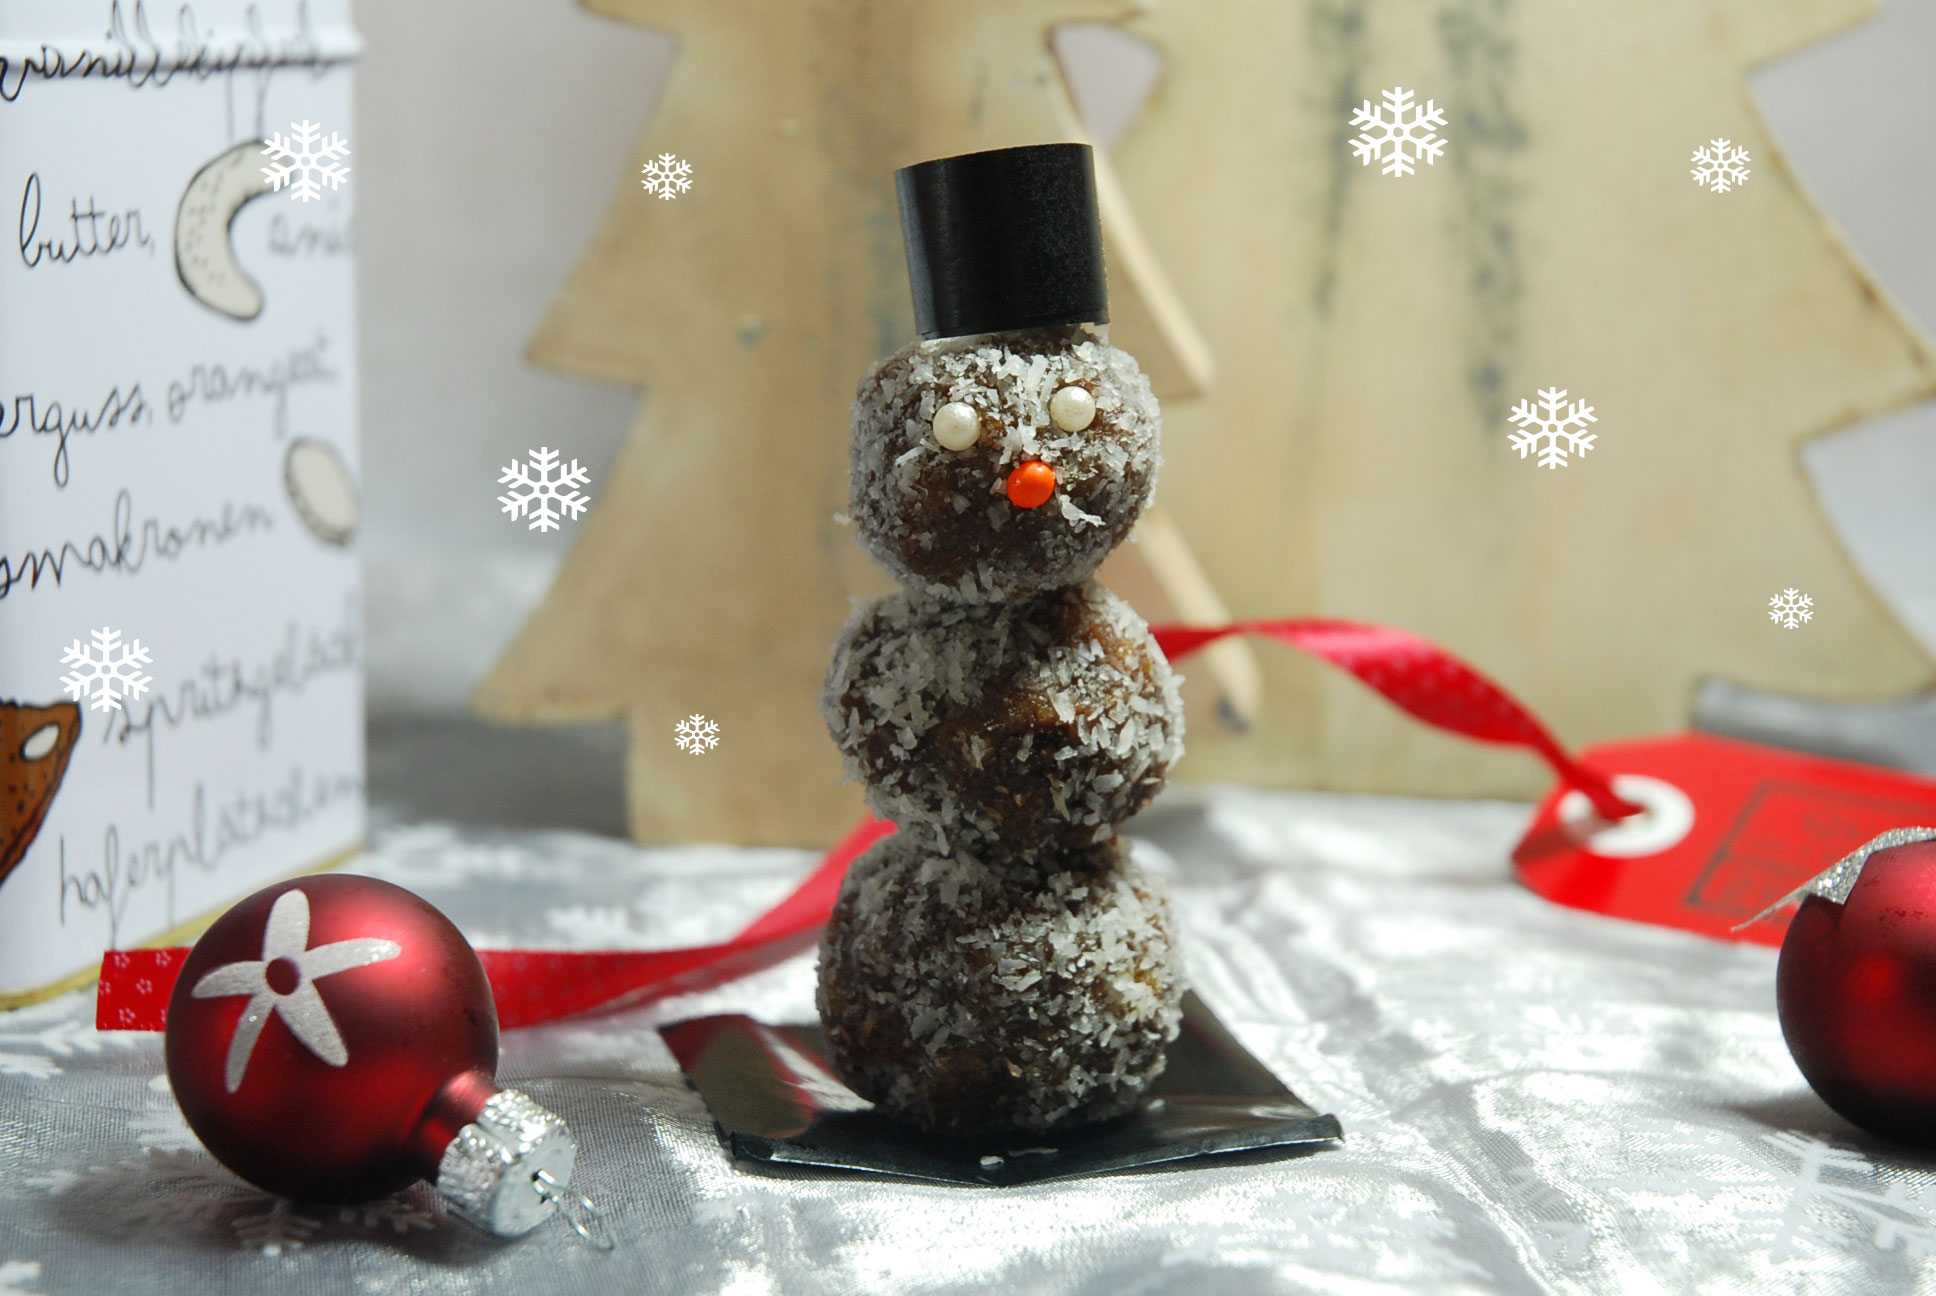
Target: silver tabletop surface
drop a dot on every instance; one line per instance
(1535, 1100)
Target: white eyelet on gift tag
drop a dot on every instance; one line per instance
(1666, 817)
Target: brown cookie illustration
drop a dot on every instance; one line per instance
(35, 744)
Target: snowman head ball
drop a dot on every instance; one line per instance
(1011, 448)
(992, 467)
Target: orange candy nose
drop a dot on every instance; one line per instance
(1031, 484)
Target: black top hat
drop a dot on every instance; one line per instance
(1006, 239)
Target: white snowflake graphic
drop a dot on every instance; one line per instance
(275, 1230)
(1558, 1236)
(168, 1183)
(28, 1049)
(430, 855)
(1828, 1190)
(167, 1191)
(1791, 608)
(307, 158)
(179, 1187)
(1717, 166)
(15, 1272)
(597, 926)
(1374, 1233)
(1556, 422)
(536, 491)
(1895, 1217)
(398, 1214)
(106, 669)
(162, 1128)
(1680, 1160)
(1419, 130)
(667, 176)
(695, 734)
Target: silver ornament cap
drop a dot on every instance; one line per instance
(491, 1172)
(1836, 881)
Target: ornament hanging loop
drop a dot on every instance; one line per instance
(577, 1210)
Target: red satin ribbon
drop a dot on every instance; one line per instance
(1421, 678)
(535, 986)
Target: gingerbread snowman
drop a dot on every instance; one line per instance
(1000, 966)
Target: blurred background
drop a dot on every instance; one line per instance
(508, 128)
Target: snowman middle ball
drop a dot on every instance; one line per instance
(1025, 728)
(991, 467)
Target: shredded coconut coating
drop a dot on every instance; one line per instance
(940, 520)
(1026, 727)
(978, 998)
(999, 965)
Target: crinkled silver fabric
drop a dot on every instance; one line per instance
(1535, 1100)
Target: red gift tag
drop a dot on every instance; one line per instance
(1728, 829)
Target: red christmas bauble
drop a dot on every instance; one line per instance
(330, 1037)
(1856, 993)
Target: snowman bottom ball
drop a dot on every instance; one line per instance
(979, 1000)
(1024, 728)
(1856, 993)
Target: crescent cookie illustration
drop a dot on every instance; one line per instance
(321, 489)
(204, 257)
(35, 743)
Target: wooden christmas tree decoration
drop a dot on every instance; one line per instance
(1374, 331)
(710, 577)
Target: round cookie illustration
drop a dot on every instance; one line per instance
(321, 489)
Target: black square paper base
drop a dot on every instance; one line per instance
(774, 1098)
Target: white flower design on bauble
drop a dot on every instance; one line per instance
(283, 982)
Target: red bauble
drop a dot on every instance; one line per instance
(1856, 992)
(334, 1038)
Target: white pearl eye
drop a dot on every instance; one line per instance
(957, 426)
(1072, 408)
